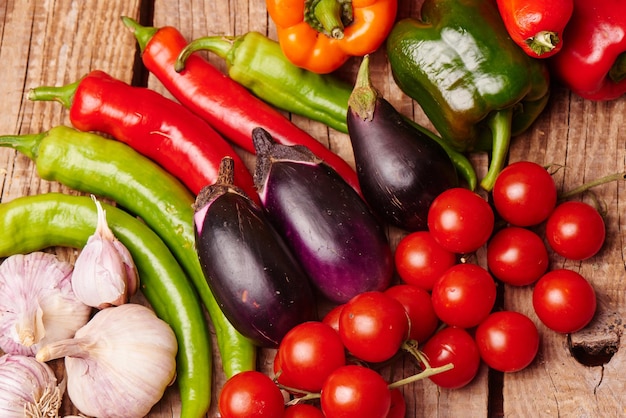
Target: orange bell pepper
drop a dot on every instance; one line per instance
(320, 35)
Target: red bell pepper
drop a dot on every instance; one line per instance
(592, 63)
(536, 25)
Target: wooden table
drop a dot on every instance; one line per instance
(57, 42)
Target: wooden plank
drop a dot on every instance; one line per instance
(54, 43)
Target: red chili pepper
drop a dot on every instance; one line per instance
(593, 61)
(155, 126)
(225, 104)
(536, 25)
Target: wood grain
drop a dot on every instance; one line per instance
(57, 42)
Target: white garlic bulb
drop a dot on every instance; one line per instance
(104, 273)
(28, 388)
(119, 364)
(37, 304)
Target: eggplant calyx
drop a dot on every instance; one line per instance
(223, 184)
(363, 99)
(268, 151)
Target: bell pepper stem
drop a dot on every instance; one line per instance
(62, 94)
(618, 71)
(542, 42)
(328, 16)
(500, 124)
(219, 45)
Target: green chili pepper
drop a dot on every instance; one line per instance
(257, 63)
(93, 164)
(472, 81)
(33, 223)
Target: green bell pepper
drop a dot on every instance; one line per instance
(473, 82)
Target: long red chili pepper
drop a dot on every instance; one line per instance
(222, 102)
(157, 127)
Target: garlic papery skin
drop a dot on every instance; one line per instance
(28, 388)
(119, 364)
(37, 303)
(104, 273)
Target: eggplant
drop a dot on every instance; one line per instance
(400, 168)
(255, 279)
(327, 225)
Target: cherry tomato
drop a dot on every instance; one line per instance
(460, 220)
(419, 307)
(453, 345)
(332, 317)
(517, 256)
(420, 260)
(398, 405)
(307, 354)
(355, 391)
(524, 193)
(251, 394)
(575, 230)
(303, 410)
(373, 326)
(507, 341)
(464, 295)
(564, 300)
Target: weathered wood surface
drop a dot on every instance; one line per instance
(56, 42)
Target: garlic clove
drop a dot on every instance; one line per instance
(37, 304)
(28, 388)
(104, 274)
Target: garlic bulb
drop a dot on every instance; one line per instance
(104, 273)
(28, 388)
(37, 304)
(119, 364)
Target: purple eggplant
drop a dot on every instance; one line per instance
(400, 168)
(328, 226)
(256, 280)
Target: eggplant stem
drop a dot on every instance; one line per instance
(362, 100)
(500, 124)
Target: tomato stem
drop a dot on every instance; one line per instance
(411, 347)
(597, 182)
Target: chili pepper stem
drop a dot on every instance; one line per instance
(142, 33)
(62, 94)
(543, 42)
(219, 45)
(500, 124)
(26, 144)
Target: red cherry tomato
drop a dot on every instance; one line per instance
(517, 256)
(308, 353)
(460, 220)
(564, 301)
(420, 260)
(398, 405)
(251, 394)
(575, 230)
(524, 193)
(507, 341)
(355, 391)
(332, 317)
(303, 410)
(373, 326)
(419, 307)
(464, 295)
(453, 345)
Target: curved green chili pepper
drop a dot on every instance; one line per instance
(93, 164)
(33, 223)
(257, 63)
